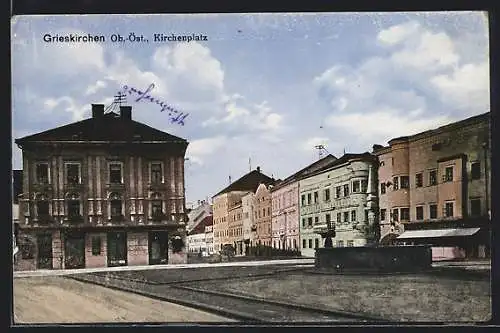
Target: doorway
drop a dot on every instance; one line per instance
(44, 246)
(74, 250)
(117, 249)
(158, 247)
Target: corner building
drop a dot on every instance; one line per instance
(435, 188)
(104, 191)
(339, 196)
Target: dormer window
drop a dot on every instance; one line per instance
(42, 173)
(73, 173)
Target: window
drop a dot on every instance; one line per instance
(263, 212)
(346, 190)
(433, 211)
(327, 194)
(448, 209)
(432, 177)
(355, 186)
(72, 173)
(116, 207)
(315, 197)
(42, 207)
(96, 245)
(350, 243)
(309, 221)
(156, 208)
(353, 215)
(419, 212)
(268, 211)
(115, 173)
(303, 199)
(338, 190)
(308, 198)
(405, 214)
(259, 213)
(156, 173)
(405, 182)
(395, 183)
(364, 185)
(310, 243)
(475, 207)
(328, 220)
(339, 217)
(303, 222)
(42, 173)
(304, 243)
(340, 243)
(366, 215)
(475, 170)
(346, 216)
(419, 180)
(395, 215)
(382, 188)
(316, 220)
(383, 212)
(73, 208)
(316, 243)
(448, 174)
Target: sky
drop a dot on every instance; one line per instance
(259, 89)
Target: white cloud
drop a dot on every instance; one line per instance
(398, 33)
(310, 143)
(66, 104)
(201, 148)
(92, 89)
(418, 85)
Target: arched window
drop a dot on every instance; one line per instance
(73, 205)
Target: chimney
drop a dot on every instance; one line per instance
(126, 112)
(97, 110)
(258, 169)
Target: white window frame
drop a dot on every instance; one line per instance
(109, 171)
(453, 209)
(66, 164)
(423, 213)
(49, 180)
(162, 171)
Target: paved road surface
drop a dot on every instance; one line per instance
(59, 300)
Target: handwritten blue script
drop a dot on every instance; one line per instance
(175, 115)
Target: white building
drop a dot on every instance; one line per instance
(196, 239)
(198, 213)
(209, 239)
(249, 223)
(342, 197)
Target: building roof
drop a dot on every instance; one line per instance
(448, 127)
(321, 163)
(344, 159)
(108, 127)
(249, 182)
(199, 228)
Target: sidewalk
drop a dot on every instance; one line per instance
(60, 272)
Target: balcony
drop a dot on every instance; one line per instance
(44, 219)
(75, 219)
(117, 218)
(158, 217)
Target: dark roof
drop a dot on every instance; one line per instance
(249, 182)
(17, 176)
(321, 163)
(108, 127)
(344, 159)
(200, 227)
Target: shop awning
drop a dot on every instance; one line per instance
(438, 233)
